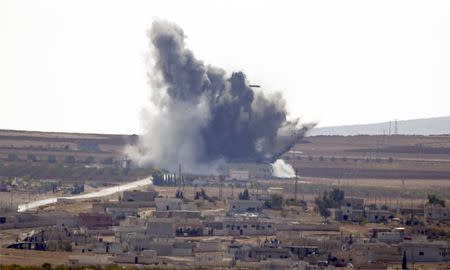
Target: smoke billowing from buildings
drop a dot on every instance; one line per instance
(201, 116)
(281, 169)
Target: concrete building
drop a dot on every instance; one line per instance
(255, 170)
(129, 228)
(389, 236)
(178, 214)
(119, 213)
(242, 206)
(210, 245)
(246, 226)
(242, 175)
(137, 242)
(302, 252)
(269, 253)
(95, 220)
(144, 257)
(378, 215)
(164, 228)
(89, 259)
(167, 204)
(68, 222)
(275, 190)
(189, 227)
(162, 247)
(139, 196)
(426, 251)
(437, 213)
(213, 259)
(183, 249)
(239, 252)
(352, 209)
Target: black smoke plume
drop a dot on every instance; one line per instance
(201, 116)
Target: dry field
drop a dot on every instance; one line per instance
(60, 145)
(32, 257)
(376, 157)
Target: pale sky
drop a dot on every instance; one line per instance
(80, 65)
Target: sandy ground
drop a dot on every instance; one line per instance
(32, 257)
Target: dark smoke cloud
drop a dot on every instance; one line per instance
(201, 116)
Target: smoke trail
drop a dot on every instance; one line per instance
(282, 170)
(203, 117)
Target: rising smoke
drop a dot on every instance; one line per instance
(201, 116)
(281, 169)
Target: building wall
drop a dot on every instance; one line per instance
(376, 216)
(167, 204)
(161, 228)
(426, 253)
(437, 213)
(239, 206)
(139, 196)
(249, 228)
(94, 220)
(210, 259)
(239, 174)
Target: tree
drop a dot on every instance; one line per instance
(158, 178)
(336, 197)
(46, 266)
(66, 246)
(435, 200)
(31, 157)
(404, 262)
(179, 194)
(244, 195)
(329, 200)
(201, 195)
(322, 207)
(275, 202)
(12, 157)
(51, 159)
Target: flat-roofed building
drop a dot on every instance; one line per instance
(242, 206)
(437, 213)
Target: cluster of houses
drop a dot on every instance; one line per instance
(144, 228)
(354, 210)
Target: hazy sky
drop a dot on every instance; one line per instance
(80, 65)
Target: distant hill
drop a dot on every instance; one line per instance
(426, 126)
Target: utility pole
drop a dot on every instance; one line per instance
(303, 191)
(296, 184)
(220, 187)
(396, 127)
(403, 188)
(179, 177)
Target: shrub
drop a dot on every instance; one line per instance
(244, 195)
(435, 200)
(275, 202)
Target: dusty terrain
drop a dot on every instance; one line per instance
(32, 257)
(36, 147)
(380, 157)
(377, 156)
(374, 167)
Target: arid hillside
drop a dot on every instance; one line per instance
(362, 156)
(394, 157)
